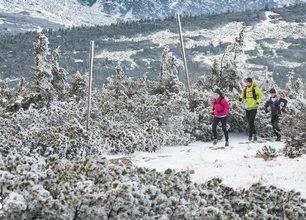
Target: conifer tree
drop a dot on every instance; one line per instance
(168, 79)
(215, 77)
(59, 74)
(41, 89)
(49, 79)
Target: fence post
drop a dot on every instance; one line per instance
(91, 55)
(183, 51)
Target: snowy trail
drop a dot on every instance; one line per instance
(237, 166)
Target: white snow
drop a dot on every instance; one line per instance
(237, 166)
(162, 38)
(119, 56)
(228, 33)
(267, 28)
(1, 21)
(148, 61)
(65, 12)
(208, 59)
(78, 61)
(129, 16)
(14, 201)
(287, 2)
(73, 13)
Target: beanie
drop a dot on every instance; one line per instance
(249, 79)
(272, 90)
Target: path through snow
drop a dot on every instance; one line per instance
(237, 166)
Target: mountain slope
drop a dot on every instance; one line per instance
(275, 43)
(104, 12)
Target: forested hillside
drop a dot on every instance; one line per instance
(275, 44)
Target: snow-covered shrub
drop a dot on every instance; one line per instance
(56, 130)
(200, 105)
(296, 133)
(294, 120)
(168, 78)
(95, 188)
(77, 90)
(127, 114)
(267, 153)
(133, 116)
(6, 96)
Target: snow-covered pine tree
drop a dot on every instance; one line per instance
(59, 80)
(41, 89)
(231, 78)
(232, 65)
(49, 79)
(77, 87)
(214, 78)
(168, 78)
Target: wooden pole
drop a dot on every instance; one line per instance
(91, 55)
(183, 51)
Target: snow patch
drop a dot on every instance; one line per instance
(119, 56)
(78, 61)
(237, 166)
(60, 11)
(202, 58)
(162, 38)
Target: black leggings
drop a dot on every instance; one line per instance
(275, 124)
(214, 127)
(250, 115)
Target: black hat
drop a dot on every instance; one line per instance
(249, 79)
(272, 90)
(219, 92)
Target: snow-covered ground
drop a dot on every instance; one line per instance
(237, 165)
(119, 56)
(65, 12)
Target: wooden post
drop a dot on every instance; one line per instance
(91, 55)
(183, 51)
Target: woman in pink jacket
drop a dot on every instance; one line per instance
(220, 111)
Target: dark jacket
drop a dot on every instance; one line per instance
(275, 105)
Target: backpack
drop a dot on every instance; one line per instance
(253, 92)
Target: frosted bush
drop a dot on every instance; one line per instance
(92, 188)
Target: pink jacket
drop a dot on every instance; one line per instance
(220, 107)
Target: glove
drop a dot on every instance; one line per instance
(212, 113)
(257, 103)
(283, 109)
(240, 99)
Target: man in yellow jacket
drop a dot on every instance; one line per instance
(252, 96)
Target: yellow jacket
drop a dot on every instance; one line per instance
(252, 96)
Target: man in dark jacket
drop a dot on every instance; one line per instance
(276, 105)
